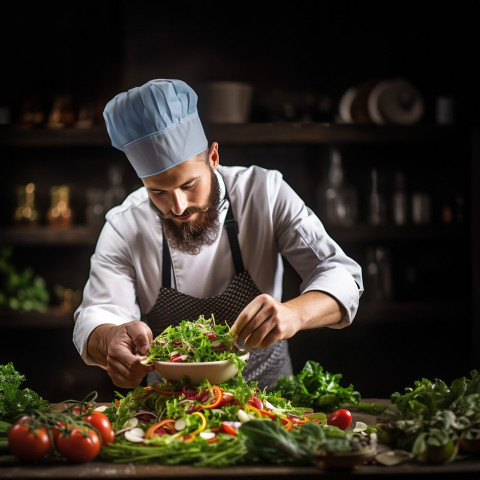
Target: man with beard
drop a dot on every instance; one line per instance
(199, 239)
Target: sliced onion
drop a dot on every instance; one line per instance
(216, 343)
(360, 427)
(243, 416)
(131, 435)
(180, 424)
(207, 435)
(101, 408)
(131, 423)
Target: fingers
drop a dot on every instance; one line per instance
(141, 336)
(259, 324)
(123, 365)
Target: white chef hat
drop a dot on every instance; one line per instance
(156, 125)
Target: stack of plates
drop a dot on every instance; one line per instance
(394, 101)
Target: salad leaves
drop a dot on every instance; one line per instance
(209, 425)
(199, 341)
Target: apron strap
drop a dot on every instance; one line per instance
(232, 231)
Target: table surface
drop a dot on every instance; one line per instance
(57, 469)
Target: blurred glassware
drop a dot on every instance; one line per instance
(63, 112)
(25, 213)
(60, 215)
(340, 199)
(31, 113)
(95, 211)
(421, 208)
(116, 193)
(379, 277)
(399, 200)
(377, 205)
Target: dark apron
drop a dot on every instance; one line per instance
(264, 365)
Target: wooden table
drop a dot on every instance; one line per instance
(57, 469)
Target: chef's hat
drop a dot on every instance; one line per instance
(156, 125)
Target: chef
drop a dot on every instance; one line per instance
(199, 238)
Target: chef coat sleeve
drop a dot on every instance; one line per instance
(109, 295)
(317, 258)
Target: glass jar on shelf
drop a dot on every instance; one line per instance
(25, 213)
(60, 215)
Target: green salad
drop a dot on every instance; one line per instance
(200, 341)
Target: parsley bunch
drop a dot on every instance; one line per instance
(13, 400)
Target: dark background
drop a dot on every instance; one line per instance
(306, 53)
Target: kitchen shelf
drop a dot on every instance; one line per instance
(81, 235)
(54, 317)
(43, 235)
(391, 233)
(238, 134)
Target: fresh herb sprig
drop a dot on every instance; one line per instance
(316, 388)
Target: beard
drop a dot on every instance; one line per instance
(190, 237)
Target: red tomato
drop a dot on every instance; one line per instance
(340, 418)
(101, 422)
(56, 432)
(80, 446)
(26, 445)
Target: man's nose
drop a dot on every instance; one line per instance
(179, 202)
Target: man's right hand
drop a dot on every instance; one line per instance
(115, 347)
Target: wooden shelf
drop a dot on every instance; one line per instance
(48, 236)
(54, 317)
(391, 233)
(239, 134)
(87, 236)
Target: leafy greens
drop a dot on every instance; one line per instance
(316, 388)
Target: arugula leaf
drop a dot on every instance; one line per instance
(316, 388)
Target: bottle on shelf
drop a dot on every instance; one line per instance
(60, 215)
(115, 193)
(399, 200)
(339, 199)
(25, 213)
(377, 204)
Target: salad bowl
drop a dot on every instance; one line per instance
(214, 372)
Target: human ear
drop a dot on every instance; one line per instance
(213, 156)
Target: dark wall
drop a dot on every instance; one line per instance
(95, 49)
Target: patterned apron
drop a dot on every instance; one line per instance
(264, 365)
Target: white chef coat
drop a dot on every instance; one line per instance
(126, 268)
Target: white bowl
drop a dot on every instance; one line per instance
(214, 372)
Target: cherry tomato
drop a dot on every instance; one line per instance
(79, 446)
(340, 418)
(101, 422)
(27, 445)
